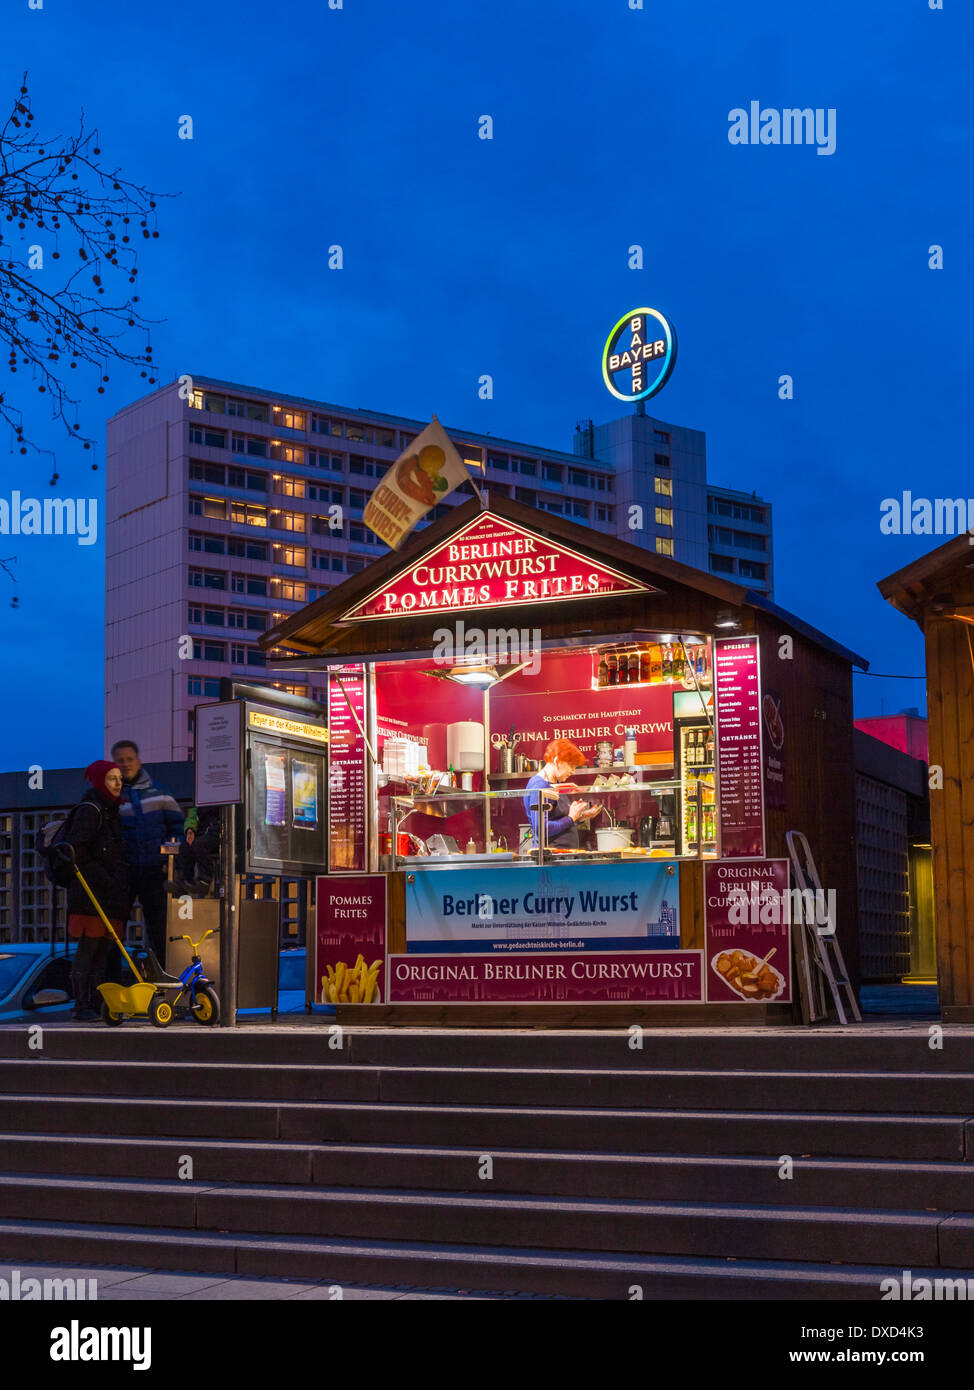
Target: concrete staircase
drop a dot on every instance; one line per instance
(612, 1169)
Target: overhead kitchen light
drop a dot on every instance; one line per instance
(481, 677)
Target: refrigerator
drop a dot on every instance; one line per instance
(694, 757)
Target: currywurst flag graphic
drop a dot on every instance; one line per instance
(427, 472)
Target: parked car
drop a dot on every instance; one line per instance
(33, 983)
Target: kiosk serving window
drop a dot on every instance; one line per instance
(457, 759)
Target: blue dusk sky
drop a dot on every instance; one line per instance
(463, 256)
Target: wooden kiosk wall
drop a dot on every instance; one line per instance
(815, 685)
(937, 592)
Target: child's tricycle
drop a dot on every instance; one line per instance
(153, 998)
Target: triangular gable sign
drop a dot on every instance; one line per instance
(493, 563)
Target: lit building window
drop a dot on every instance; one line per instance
(247, 514)
(290, 419)
(664, 545)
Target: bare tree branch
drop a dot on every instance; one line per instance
(5, 566)
(91, 221)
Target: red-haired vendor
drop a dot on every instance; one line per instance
(562, 815)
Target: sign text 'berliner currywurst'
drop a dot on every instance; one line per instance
(493, 563)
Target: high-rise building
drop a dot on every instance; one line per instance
(229, 506)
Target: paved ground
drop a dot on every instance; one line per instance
(146, 1285)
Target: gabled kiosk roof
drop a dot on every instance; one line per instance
(329, 626)
(915, 586)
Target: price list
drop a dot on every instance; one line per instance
(739, 748)
(346, 775)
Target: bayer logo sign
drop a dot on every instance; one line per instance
(639, 355)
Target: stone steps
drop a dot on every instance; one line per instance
(519, 1269)
(749, 1179)
(611, 1167)
(950, 1093)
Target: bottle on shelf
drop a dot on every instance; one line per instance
(471, 846)
(645, 669)
(677, 662)
(656, 663)
(623, 668)
(612, 662)
(709, 753)
(691, 823)
(667, 667)
(603, 672)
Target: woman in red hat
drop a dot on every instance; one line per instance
(95, 831)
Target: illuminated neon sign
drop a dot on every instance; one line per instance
(649, 354)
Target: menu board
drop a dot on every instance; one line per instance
(218, 761)
(738, 695)
(346, 776)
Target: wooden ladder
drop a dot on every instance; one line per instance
(820, 946)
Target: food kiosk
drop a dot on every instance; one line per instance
(710, 722)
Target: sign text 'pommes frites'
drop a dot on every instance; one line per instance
(493, 563)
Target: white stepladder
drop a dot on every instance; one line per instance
(819, 945)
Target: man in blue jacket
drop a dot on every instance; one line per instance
(150, 816)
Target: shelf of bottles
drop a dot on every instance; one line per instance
(699, 800)
(652, 663)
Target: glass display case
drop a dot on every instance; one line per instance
(636, 819)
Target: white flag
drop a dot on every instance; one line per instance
(423, 475)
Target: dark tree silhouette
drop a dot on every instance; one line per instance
(69, 237)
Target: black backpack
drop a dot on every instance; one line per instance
(57, 869)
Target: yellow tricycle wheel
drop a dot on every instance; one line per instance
(206, 1010)
(160, 1012)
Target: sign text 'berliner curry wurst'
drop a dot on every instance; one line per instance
(493, 563)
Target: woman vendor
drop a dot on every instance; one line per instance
(562, 816)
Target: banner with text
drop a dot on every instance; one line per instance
(350, 939)
(666, 977)
(492, 563)
(633, 906)
(748, 950)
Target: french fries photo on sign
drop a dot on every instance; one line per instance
(423, 475)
